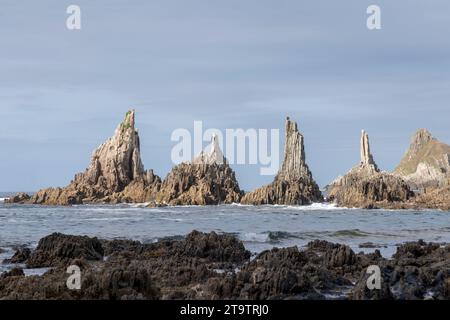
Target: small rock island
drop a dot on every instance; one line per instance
(294, 183)
(365, 186)
(115, 174)
(207, 180)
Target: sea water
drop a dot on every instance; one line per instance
(259, 227)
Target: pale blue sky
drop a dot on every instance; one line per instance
(230, 63)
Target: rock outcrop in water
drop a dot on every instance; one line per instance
(294, 184)
(207, 180)
(115, 174)
(365, 186)
(427, 162)
(20, 197)
(214, 266)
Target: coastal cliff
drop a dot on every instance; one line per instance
(365, 186)
(294, 184)
(426, 163)
(115, 174)
(207, 180)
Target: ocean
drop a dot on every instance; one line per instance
(259, 228)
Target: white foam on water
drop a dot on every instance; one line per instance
(317, 206)
(254, 237)
(35, 272)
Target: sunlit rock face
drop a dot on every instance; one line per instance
(294, 184)
(115, 174)
(207, 180)
(365, 186)
(426, 163)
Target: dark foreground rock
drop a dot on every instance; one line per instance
(217, 266)
(22, 254)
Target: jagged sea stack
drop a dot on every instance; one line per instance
(427, 162)
(294, 184)
(207, 180)
(365, 186)
(115, 174)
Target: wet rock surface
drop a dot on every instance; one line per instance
(21, 255)
(217, 266)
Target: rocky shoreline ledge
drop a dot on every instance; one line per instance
(217, 266)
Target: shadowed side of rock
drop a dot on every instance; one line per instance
(294, 184)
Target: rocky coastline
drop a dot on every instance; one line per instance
(116, 175)
(217, 266)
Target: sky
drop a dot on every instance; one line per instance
(231, 64)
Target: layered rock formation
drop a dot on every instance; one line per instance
(217, 266)
(365, 186)
(207, 180)
(294, 184)
(433, 198)
(115, 174)
(426, 163)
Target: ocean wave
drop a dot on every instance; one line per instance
(316, 207)
(350, 233)
(274, 237)
(254, 237)
(3, 199)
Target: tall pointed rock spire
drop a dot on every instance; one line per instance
(115, 173)
(365, 186)
(366, 156)
(294, 184)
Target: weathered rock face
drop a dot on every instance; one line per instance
(426, 163)
(58, 250)
(417, 271)
(365, 186)
(294, 184)
(207, 180)
(434, 198)
(115, 174)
